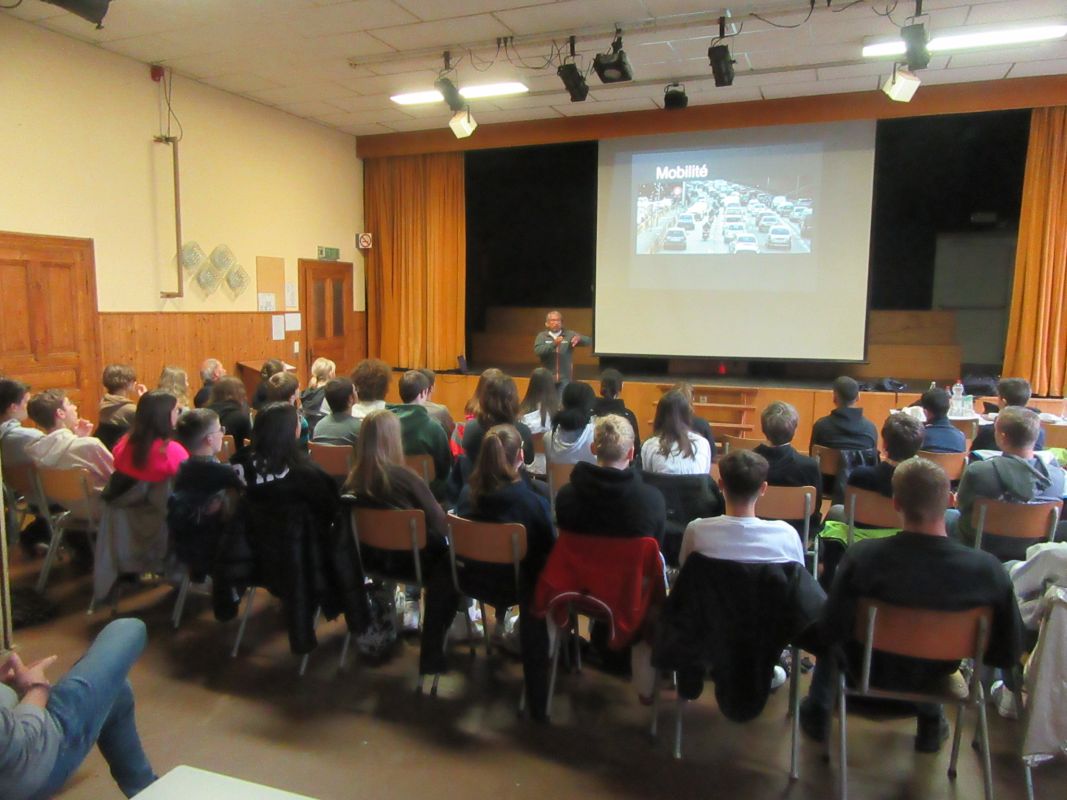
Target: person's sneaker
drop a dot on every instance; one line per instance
(409, 619)
(930, 734)
(778, 677)
(1004, 699)
(814, 721)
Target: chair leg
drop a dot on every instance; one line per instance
(554, 670)
(577, 643)
(50, 557)
(179, 602)
(470, 630)
(1029, 773)
(307, 656)
(957, 734)
(842, 743)
(983, 734)
(249, 600)
(653, 728)
(344, 650)
(485, 629)
(679, 709)
(794, 712)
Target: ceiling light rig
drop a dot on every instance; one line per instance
(722, 65)
(573, 79)
(674, 97)
(613, 67)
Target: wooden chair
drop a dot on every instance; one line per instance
(1055, 435)
(872, 509)
(828, 458)
(791, 503)
(422, 464)
(969, 427)
(335, 459)
(952, 463)
(68, 489)
(486, 543)
(730, 442)
(229, 447)
(929, 635)
(559, 475)
(21, 481)
(1035, 522)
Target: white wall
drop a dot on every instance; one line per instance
(77, 159)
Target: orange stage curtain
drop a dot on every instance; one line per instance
(1037, 329)
(416, 272)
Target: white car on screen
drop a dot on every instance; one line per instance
(675, 239)
(730, 219)
(745, 243)
(732, 230)
(780, 237)
(799, 212)
(768, 221)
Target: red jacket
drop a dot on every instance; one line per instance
(612, 578)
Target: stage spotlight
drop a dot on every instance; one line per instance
(462, 123)
(901, 85)
(917, 54)
(450, 93)
(674, 96)
(722, 66)
(92, 10)
(574, 82)
(613, 67)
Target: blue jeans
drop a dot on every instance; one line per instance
(93, 705)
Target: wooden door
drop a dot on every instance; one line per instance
(326, 300)
(48, 330)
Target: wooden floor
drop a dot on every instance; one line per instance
(362, 733)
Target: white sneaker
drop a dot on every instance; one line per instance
(1004, 699)
(777, 677)
(458, 631)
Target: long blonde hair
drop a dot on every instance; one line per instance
(322, 371)
(173, 380)
(377, 447)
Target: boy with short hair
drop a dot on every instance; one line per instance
(14, 436)
(119, 404)
(339, 427)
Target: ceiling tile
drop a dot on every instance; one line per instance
(778, 90)
(392, 84)
(722, 94)
(309, 108)
(366, 129)
(34, 10)
(865, 69)
(364, 103)
(126, 19)
(296, 94)
(1007, 55)
(532, 101)
(417, 125)
(965, 75)
(573, 15)
(1017, 11)
(442, 9)
(348, 17)
(152, 49)
(240, 83)
(457, 30)
(615, 106)
(1054, 67)
(494, 117)
(776, 78)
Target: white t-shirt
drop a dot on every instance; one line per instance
(674, 463)
(745, 539)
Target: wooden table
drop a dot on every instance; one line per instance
(184, 783)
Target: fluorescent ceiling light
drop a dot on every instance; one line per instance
(415, 98)
(469, 92)
(493, 90)
(966, 41)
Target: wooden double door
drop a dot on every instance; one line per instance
(48, 325)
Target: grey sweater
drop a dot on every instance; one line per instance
(1008, 478)
(29, 746)
(559, 361)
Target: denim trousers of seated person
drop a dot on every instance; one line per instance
(93, 705)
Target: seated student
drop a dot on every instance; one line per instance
(498, 404)
(699, 425)
(572, 431)
(119, 404)
(1016, 476)
(739, 535)
(175, 381)
(538, 408)
(940, 435)
(340, 427)
(283, 387)
(229, 401)
(1010, 392)
(420, 433)
(371, 379)
(845, 428)
(67, 443)
(148, 452)
(497, 492)
(470, 410)
(47, 730)
(14, 436)
(919, 568)
(785, 465)
(674, 448)
(211, 372)
(608, 498)
(610, 402)
(313, 398)
(436, 410)
(196, 509)
(272, 366)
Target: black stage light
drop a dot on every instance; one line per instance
(674, 96)
(722, 66)
(613, 67)
(92, 10)
(451, 94)
(914, 37)
(574, 82)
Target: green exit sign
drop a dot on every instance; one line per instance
(329, 253)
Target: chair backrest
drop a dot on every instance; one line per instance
(921, 633)
(952, 463)
(1014, 520)
(333, 458)
(229, 447)
(21, 479)
(829, 459)
(559, 475)
(869, 508)
(491, 542)
(68, 488)
(788, 503)
(968, 426)
(422, 464)
(1055, 435)
(400, 529)
(730, 442)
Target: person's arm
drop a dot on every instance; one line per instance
(965, 496)
(577, 340)
(544, 344)
(436, 521)
(527, 442)
(1006, 633)
(839, 613)
(703, 453)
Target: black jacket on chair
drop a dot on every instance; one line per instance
(735, 618)
(688, 497)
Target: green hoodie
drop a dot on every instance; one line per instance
(423, 435)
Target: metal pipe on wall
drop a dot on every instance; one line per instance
(173, 142)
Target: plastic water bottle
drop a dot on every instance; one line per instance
(957, 398)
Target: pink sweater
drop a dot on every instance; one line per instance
(164, 458)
